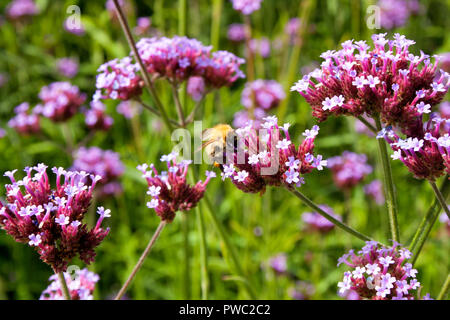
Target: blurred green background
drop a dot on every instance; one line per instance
(28, 57)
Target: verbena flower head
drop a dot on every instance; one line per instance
(375, 191)
(101, 163)
(68, 67)
(21, 9)
(81, 285)
(292, 27)
(260, 46)
(25, 122)
(302, 290)
(236, 32)
(387, 80)
(349, 169)
(96, 117)
(246, 7)
(379, 273)
(264, 94)
(169, 189)
(242, 118)
(317, 222)
(395, 13)
(51, 220)
(118, 79)
(279, 263)
(196, 88)
(268, 157)
(60, 101)
(179, 58)
(129, 108)
(143, 25)
(74, 28)
(426, 156)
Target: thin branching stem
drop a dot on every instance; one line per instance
(141, 260)
(145, 75)
(368, 124)
(445, 288)
(64, 287)
(440, 197)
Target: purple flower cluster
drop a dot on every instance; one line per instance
(68, 67)
(103, 163)
(379, 273)
(279, 263)
(143, 26)
(317, 222)
(246, 7)
(236, 32)
(302, 290)
(179, 58)
(264, 94)
(118, 79)
(427, 156)
(260, 46)
(265, 159)
(25, 122)
(129, 108)
(51, 219)
(76, 29)
(243, 118)
(375, 191)
(395, 13)
(391, 82)
(444, 63)
(96, 117)
(169, 190)
(292, 27)
(60, 101)
(20, 9)
(196, 88)
(81, 286)
(349, 169)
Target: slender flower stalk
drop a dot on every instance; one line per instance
(440, 198)
(367, 124)
(147, 80)
(327, 216)
(445, 288)
(389, 186)
(427, 223)
(141, 260)
(203, 254)
(178, 106)
(65, 289)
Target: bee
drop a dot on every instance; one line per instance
(216, 141)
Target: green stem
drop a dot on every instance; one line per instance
(440, 197)
(64, 288)
(145, 75)
(226, 241)
(427, 223)
(141, 260)
(178, 106)
(317, 209)
(182, 13)
(216, 14)
(445, 288)
(389, 185)
(368, 124)
(250, 54)
(187, 258)
(203, 254)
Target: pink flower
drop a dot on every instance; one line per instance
(96, 117)
(349, 169)
(264, 94)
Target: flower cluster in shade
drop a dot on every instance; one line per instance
(302, 290)
(427, 156)
(60, 101)
(143, 25)
(51, 220)
(395, 13)
(387, 80)
(374, 190)
(349, 169)
(279, 263)
(118, 79)
(380, 273)
(196, 88)
(25, 121)
(180, 58)
(81, 285)
(264, 94)
(292, 28)
(169, 190)
(68, 67)
(246, 7)
(236, 32)
(317, 222)
(96, 117)
(129, 108)
(260, 46)
(101, 163)
(74, 28)
(21, 9)
(268, 157)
